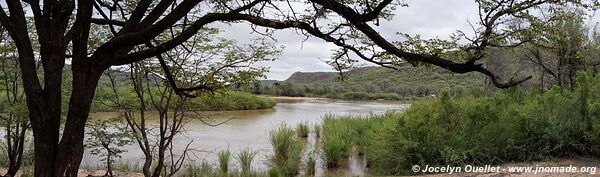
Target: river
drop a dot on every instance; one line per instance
(249, 129)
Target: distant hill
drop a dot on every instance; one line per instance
(407, 80)
(312, 77)
(405, 75)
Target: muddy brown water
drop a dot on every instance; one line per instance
(249, 129)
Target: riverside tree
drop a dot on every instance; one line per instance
(13, 119)
(106, 139)
(186, 65)
(62, 29)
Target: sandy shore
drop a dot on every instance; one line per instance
(297, 98)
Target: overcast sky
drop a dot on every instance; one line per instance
(429, 18)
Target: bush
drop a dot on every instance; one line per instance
(510, 125)
(232, 100)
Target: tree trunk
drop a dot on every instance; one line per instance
(85, 80)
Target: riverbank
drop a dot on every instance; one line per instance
(297, 98)
(480, 129)
(355, 96)
(218, 101)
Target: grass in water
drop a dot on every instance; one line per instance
(287, 150)
(224, 157)
(245, 158)
(302, 129)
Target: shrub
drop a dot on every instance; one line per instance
(510, 125)
(232, 100)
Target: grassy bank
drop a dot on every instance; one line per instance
(233, 100)
(506, 126)
(226, 101)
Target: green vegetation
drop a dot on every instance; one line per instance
(311, 164)
(245, 158)
(370, 83)
(106, 138)
(336, 141)
(219, 101)
(203, 170)
(224, 157)
(318, 130)
(287, 148)
(128, 166)
(302, 129)
(511, 125)
(232, 100)
(206, 170)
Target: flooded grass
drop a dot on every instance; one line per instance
(245, 158)
(224, 158)
(302, 129)
(311, 164)
(317, 130)
(287, 148)
(336, 141)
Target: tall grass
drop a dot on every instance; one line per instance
(245, 157)
(124, 165)
(203, 170)
(336, 140)
(287, 150)
(3, 154)
(311, 164)
(224, 158)
(317, 130)
(302, 129)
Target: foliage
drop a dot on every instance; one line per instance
(106, 139)
(287, 150)
(232, 100)
(508, 126)
(217, 101)
(371, 83)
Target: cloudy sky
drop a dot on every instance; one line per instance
(429, 18)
